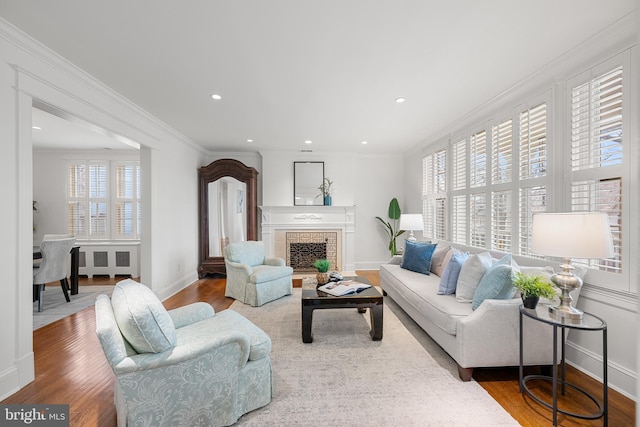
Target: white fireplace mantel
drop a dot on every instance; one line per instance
(275, 219)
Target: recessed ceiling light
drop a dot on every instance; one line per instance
(36, 127)
(364, 142)
(249, 140)
(216, 96)
(400, 100)
(308, 142)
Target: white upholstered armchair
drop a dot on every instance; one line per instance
(252, 278)
(184, 367)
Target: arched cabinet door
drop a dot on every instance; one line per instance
(228, 195)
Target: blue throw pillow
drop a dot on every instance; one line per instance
(497, 282)
(417, 256)
(449, 278)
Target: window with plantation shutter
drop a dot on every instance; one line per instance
(460, 165)
(501, 214)
(596, 156)
(532, 200)
(501, 152)
(602, 196)
(459, 219)
(478, 159)
(434, 187)
(103, 199)
(533, 142)
(477, 222)
(127, 201)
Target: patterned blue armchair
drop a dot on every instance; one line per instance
(183, 367)
(252, 278)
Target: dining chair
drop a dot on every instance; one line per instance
(55, 254)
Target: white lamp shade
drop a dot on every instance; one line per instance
(572, 235)
(411, 222)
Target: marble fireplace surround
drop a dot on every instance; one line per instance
(318, 222)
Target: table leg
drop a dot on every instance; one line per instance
(75, 261)
(375, 315)
(307, 319)
(555, 375)
(521, 368)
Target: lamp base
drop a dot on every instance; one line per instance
(567, 282)
(411, 237)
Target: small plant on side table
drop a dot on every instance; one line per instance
(533, 288)
(323, 267)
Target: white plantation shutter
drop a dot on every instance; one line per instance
(501, 152)
(478, 213)
(434, 187)
(478, 159)
(533, 142)
(76, 199)
(596, 122)
(459, 219)
(602, 196)
(501, 214)
(532, 200)
(126, 204)
(460, 165)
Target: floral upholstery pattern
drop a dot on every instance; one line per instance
(218, 370)
(252, 278)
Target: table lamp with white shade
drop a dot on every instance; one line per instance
(570, 235)
(411, 222)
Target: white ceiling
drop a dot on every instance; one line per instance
(296, 70)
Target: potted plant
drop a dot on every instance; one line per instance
(392, 227)
(532, 288)
(323, 267)
(325, 189)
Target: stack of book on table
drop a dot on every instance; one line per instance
(343, 287)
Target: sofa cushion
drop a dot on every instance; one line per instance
(449, 278)
(497, 282)
(267, 273)
(142, 318)
(422, 293)
(470, 275)
(417, 256)
(440, 258)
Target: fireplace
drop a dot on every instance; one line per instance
(302, 234)
(304, 247)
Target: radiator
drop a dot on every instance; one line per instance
(109, 259)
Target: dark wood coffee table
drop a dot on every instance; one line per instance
(370, 298)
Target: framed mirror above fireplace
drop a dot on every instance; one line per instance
(307, 177)
(228, 194)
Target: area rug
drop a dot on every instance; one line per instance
(344, 378)
(55, 307)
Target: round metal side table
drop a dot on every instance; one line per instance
(589, 322)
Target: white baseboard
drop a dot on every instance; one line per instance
(620, 378)
(16, 377)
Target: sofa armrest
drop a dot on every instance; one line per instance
(395, 260)
(277, 262)
(223, 344)
(191, 313)
(238, 272)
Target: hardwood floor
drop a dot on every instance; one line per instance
(71, 369)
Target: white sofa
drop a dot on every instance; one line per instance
(485, 337)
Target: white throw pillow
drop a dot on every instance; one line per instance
(470, 275)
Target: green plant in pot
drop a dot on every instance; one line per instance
(391, 227)
(532, 288)
(323, 267)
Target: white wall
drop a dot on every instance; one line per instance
(169, 165)
(367, 181)
(618, 309)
